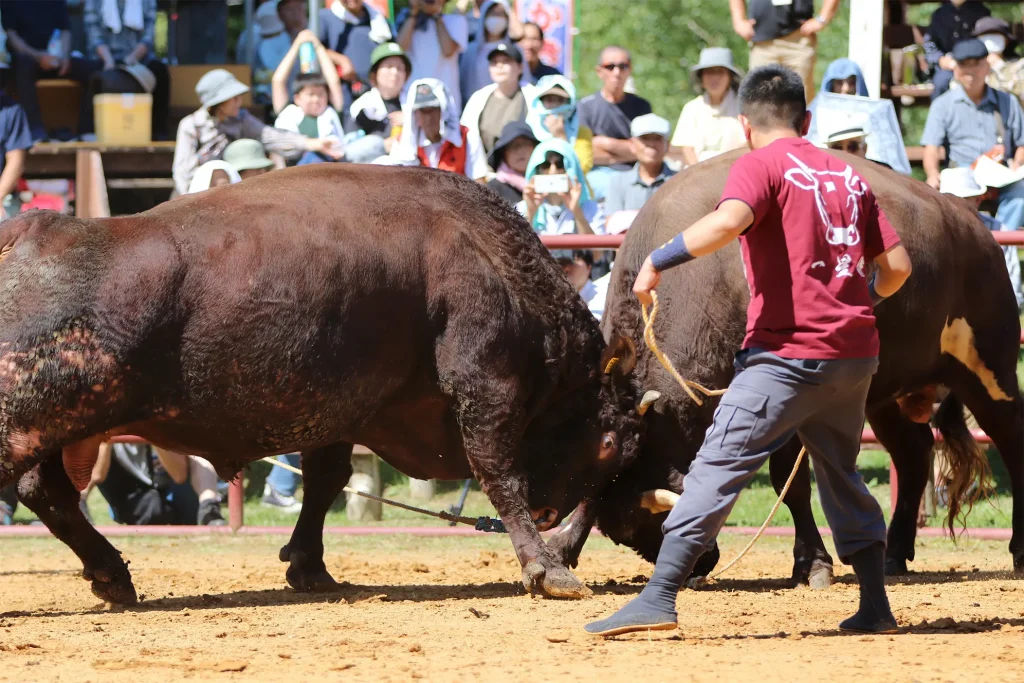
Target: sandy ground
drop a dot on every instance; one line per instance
(452, 610)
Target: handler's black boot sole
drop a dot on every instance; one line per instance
(874, 614)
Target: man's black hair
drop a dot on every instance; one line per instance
(536, 26)
(311, 80)
(773, 96)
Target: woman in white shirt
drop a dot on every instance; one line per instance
(709, 124)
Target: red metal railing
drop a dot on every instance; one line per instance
(236, 490)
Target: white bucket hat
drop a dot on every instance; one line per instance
(711, 57)
(217, 86)
(960, 182)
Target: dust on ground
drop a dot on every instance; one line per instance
(453, 610)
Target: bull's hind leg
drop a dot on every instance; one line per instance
(909, 444)
(325, 471)
(48, 492)
(812, 565)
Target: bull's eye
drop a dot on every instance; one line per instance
(608, 442)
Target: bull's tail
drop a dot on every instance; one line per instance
(965, 466)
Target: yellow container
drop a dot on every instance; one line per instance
(124, 120)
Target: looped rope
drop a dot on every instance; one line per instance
(689, 387)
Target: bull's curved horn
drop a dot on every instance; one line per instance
(658, 500)
(648, 400)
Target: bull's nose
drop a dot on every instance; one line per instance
(545, 518)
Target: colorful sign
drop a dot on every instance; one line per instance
(383, 6)
(555, 18)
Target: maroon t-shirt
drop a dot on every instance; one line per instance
(816, 226)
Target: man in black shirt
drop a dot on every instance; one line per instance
(30, 27)
(531, 44)
(608, 114)
(952, 22)
(783, 32)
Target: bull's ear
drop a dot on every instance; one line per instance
(619, 358)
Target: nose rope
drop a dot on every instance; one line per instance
(488, 524)
(691, 388)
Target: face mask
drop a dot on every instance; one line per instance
(995, 42)
(496, 25)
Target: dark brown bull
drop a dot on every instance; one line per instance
(405, 309)
(954, 323)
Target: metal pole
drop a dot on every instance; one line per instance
(314, 16)
(250, 48)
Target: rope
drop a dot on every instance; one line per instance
(689, 388)
(479, 523)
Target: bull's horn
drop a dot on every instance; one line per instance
(649, 398)
(658, 500)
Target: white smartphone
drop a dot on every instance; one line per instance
(551, 184)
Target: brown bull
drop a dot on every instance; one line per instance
(310, 310)
(954, 323)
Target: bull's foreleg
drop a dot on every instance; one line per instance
(812, 565)
(567, 543)
(325, 471)
(48, 492)
(909, 444)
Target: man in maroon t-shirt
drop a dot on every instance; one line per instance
(808, 227)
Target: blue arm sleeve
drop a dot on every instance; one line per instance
(672, 253)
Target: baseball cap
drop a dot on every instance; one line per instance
(972, 48)
(425, 98)
(509, 49)
(649, 124)
(385, 50)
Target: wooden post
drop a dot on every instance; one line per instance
(867, 21)
(421, 489)
(236, 501)
(366, 478)
(90, 185)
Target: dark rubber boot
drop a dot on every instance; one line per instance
(874, 615)
(655, 608)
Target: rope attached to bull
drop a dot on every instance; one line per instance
(691, 388)
(487, 524)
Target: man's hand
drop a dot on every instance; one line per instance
(744, 29)
(533, 200)
(415, 7)
(331, 147)
(572, 197)
(48, 62)
(933, 181)
(108, 64)
(130, 59)
(946, 62)
(397, 119)
(810, 27)
(647, 280)
(555, 125)
(65, 67)
(306, 36)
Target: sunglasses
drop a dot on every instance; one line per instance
(559, 166)
(851, 147)
(624, 66)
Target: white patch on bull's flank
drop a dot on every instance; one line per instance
(958, 341)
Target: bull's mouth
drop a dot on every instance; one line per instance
(545, 518)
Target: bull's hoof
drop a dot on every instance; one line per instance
(112, 585)
(896, 567)
(555, 582)
(706, 563)
(307, 576)
(1018, 566)
(816, 573)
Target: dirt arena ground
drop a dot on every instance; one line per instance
(452, 610)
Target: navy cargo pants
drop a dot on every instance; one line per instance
(768, 401)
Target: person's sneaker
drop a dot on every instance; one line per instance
(272, 498)
(209, 514)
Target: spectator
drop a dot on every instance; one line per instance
(960, 182)
(213, 174)
(559, 213)
(709, 124)
(474, 64)
(378, 113)
(433, 137)
(952, 22)
(630, 191)
(842, 77)
(474, 13)
(433, 40)
(281, 485)
(501, 102)
(510, 157)
(285, 85)
(203, 135)
(30, 27)
(8, 498)
(555, 114)
(608, 114)
(352, 30)
(147, 485)
(852, 141)
(248, 159)
(250, 34)
(974, 120)
(783, 32)
(577, 267)
(532, 44)
(311, 115)
(1007, 70)
(15, 141)
(271, 48)
(121, 33)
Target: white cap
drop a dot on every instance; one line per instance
(960, 182)
(649, 124)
